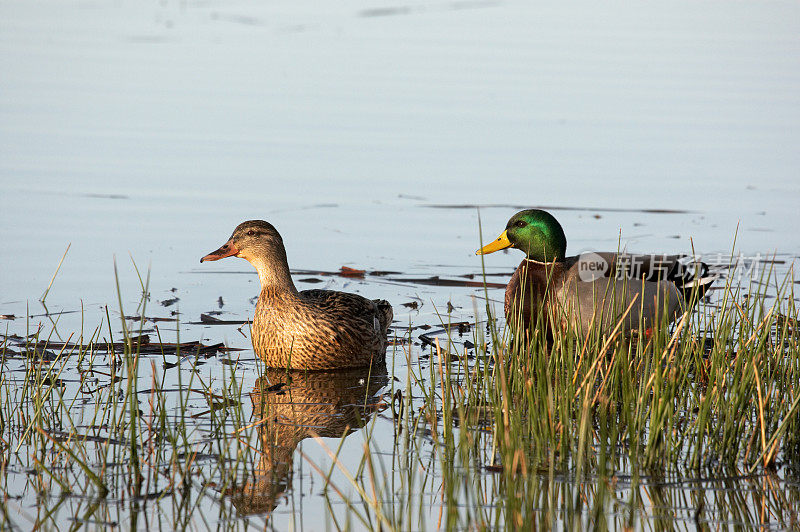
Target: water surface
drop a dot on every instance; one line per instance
(382, 137)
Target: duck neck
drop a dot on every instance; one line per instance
(274, 275)
(545, 272)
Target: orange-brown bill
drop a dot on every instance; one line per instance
(227, 250)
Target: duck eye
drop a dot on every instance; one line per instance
(251, 232)
(520, 223)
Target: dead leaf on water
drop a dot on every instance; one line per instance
(345, 271)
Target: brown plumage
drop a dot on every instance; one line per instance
(312, 329)
(660, 283)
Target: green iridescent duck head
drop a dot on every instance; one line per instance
(537, 233)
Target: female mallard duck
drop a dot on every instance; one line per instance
(312, 329)
(593, 289)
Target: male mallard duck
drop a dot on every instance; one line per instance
(312, 329)
(593, 288)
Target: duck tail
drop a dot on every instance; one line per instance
(691, 277)
(698, 286)
(385, 313)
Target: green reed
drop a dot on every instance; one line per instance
(527, 432)
(575, 431)
(74, 414)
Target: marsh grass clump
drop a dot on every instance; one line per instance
(604, 429)
(482, 427)
(103, 433)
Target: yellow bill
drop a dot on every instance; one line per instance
(502, 242)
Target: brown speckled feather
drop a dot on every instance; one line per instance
(309, 330)
(319, 329)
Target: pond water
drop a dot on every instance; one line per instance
(380, 136)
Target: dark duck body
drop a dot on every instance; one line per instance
(312, 329)
(592, 289)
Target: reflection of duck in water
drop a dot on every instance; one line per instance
(293, 407)
(312, 329)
